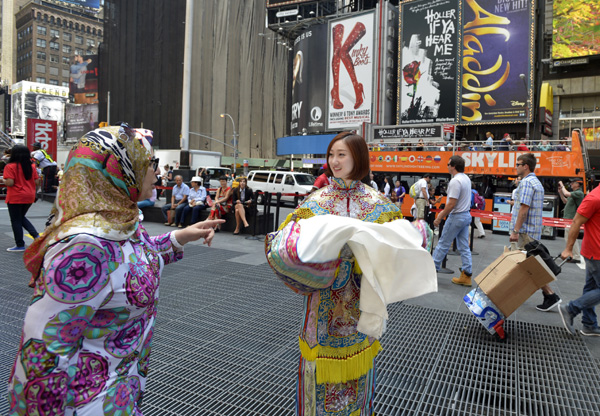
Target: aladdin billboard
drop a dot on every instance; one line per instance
(350, 72)
(428, 67)
(495, 71)
(309, 81)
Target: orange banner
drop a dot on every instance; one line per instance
(559, 164)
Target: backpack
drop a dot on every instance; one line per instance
(477, 201)
(413, 190)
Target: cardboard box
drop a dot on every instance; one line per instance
(512, 278)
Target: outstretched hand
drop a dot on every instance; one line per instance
(197, 231)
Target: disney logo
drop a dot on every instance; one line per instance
(517, 103)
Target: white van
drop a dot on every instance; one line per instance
(284, 182)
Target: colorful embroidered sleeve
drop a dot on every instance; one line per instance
(75, 282)
(282, 255)
(161, 245)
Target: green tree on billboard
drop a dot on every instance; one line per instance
(576, 28)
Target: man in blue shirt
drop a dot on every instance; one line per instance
(526, 221)
(179, 200)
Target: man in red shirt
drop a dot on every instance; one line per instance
(588, 213)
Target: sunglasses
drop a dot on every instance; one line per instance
(520, 164)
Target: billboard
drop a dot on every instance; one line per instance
(575, 29)
(277, 3)
(80, 118)
(43, 132)
(83, 79)
(428, 67)
(350, 72)
(309, 81)
(497, 41)
(93, 4)
(36, 100)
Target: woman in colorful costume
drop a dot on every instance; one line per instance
(316, 252)
(95, 272)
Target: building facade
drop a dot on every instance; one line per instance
(48, 38)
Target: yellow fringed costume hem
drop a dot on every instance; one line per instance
(339, 365)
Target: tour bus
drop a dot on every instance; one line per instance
(493, 170)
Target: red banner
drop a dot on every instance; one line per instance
(43, 132)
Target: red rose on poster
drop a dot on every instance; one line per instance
(412, 73)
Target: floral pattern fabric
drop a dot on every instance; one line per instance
(336, 374)
(87, 334)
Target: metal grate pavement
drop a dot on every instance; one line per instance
(226, 344)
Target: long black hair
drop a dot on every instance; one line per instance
(20, 154)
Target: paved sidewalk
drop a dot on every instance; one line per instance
(226, 340)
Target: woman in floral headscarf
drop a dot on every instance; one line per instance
(95, 273)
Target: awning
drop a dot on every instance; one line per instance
(300, 145)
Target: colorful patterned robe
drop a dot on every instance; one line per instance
(88, 330)
(336, 374)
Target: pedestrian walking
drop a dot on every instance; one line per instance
(458, 211)
(572, 200)
(21, 179)
(588, 213)
(526, 219)
(48, 166)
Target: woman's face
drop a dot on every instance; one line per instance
(223, 183)
(149, 179)
(340, 160)
(242, 184)
(397, 184)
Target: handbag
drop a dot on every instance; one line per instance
(209, 201)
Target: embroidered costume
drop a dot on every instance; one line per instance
(336, 373)
(88, 331)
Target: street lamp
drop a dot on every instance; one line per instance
(522, 76)
(235, 147)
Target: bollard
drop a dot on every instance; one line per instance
(277, 207)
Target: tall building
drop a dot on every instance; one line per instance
(8, 46)
(49, 35)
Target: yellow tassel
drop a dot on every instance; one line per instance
(339, 365)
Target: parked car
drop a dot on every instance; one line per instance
(277, 181)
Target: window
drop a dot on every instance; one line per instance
(289, 180)
(65, 60)
(278, 178)
(53, 70)
(90, 42)
(65, 84)
(54, 33)
(67, 36)
(78, 51)
(54, 58)
(42, 56)
(79, 40)
(40, 79)
(41, 30)
(261, 177)
(54, 46)
(66, 49)
(53, 82)
(40, 68)
(41, 43)
(65, 73)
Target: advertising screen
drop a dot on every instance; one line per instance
(309, 81)
(94, 4)
(575, 28)
(41, 101)
(79, 120)
(83, 79)
(428, 67)
(497, 51)
(350, 72)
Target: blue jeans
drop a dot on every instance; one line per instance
(145, 203)
(178, 212)
(18, 221)
(456, 227)
(591, 294)
(195, 212)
